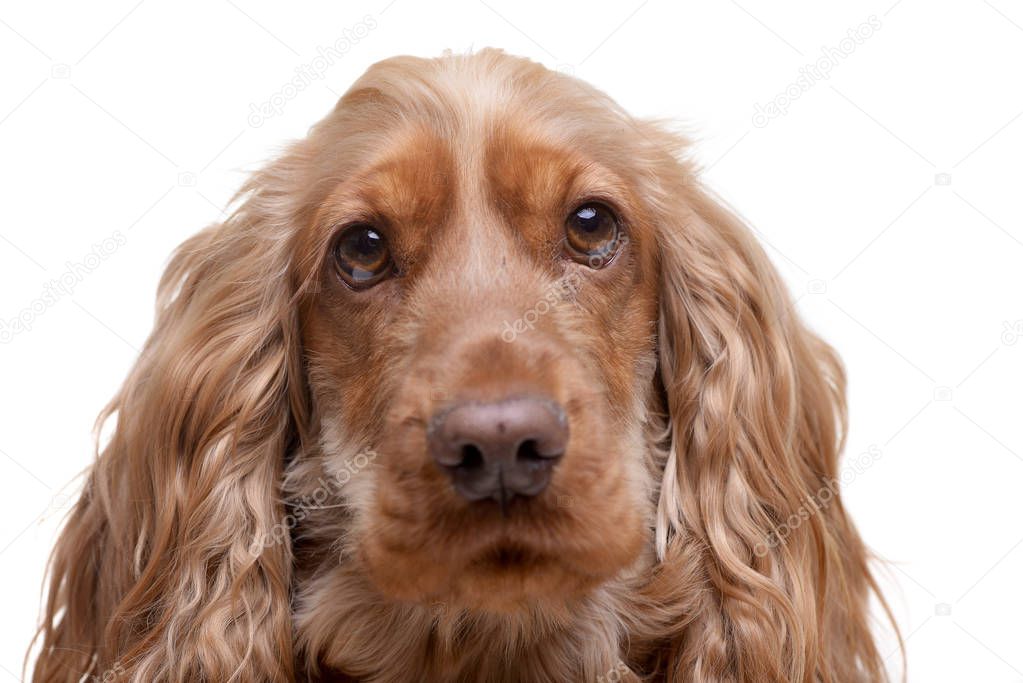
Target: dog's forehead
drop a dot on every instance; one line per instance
(505, 167)
(425, 175)
(411, 180)
(480, 119)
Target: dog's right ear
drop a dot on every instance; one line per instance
(170, 566)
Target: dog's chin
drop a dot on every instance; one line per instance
(504, 574)
(506, 578)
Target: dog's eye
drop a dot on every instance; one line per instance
(362, 255)
(592, 235)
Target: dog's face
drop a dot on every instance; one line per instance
(480, 344)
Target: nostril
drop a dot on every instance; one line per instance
(529, 451)
(472, 457)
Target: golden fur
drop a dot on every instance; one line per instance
(265, 509)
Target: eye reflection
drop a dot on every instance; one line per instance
(592, 234)
(363, 256)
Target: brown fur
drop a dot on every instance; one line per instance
(266, 509)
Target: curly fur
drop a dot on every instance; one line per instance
(264, 510)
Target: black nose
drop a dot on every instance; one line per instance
(499, 450)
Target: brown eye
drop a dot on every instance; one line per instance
(362, 255)
(592, 235)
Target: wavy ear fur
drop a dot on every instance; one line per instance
(162, 572)
(756, 424)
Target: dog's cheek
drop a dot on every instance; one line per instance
(394, 571)
(395, 533)
(612, 509)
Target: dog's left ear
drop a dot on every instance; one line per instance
(750, 487)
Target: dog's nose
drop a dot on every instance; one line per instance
(499, 450)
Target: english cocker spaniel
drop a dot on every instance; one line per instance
(477, 383)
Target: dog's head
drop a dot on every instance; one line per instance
(481, 340)
(480, 283)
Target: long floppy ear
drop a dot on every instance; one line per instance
(750, 488)
(169, 567)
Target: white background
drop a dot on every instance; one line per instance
(888, 196)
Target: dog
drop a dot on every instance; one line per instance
(476, 383)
